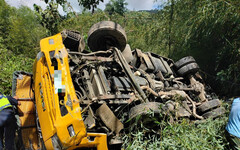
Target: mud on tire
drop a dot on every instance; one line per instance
(144, 108)
(105, 34)
(184, 61)
(188, 69)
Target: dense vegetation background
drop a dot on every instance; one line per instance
(209, 30)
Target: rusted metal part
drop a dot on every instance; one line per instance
(198, 76)
(96, 83)
(149, 79)
(103, 79)
(97, 58)
(78, 68)
(142, 61)
(159, 85)
(160, 75)
(180, 88)
(198, 87)
(130, 75)
(121, 84)
(172, 93)
(137, 53)
(92, 53)
(147, 62)
(149, 90)
(109, 119)
(115, 101)
(186, 106)
(194, 108)
(131, 99)
(109, 97)
(87, 82)
(166, 66)
(181, 111)
(184, 95)
(115, 140)
(90, 120)
(127, 54)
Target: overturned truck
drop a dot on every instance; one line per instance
(84, 99)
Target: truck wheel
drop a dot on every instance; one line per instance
(144, 108)
(184, 61)
(214, 113)
(209, 105)
(106, 34)
(188, 69)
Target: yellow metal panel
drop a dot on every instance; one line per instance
(23, 87)
(27, 112)
(51, 121)
(30, 134)
(41, 105)
(48, 144)
(99, 141)
(51, 43)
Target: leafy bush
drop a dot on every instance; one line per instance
(25, 32)
(10, 63)
(20, 33)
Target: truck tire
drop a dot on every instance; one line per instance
(106, 34)
(184, 61)
(144, 108)
(188, 69)
(214, 113)
(209, 105)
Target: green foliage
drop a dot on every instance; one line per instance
(207, 135)
(25, 33)
(20, 33)
(20, 30)
(216, 26)
(207, 30)
(116, 6)
(10, 63)
(5, 13)
(92, 4)
(50, 17)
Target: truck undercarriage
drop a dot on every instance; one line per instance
(113, 84)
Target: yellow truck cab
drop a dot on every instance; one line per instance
(57, 105)
(58, 113)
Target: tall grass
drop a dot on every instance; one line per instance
(183, 134)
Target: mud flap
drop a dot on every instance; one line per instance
(109, 119)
